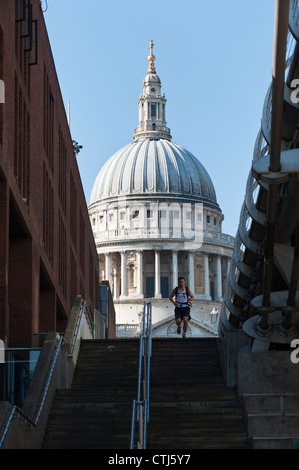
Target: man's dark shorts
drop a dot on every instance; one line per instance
(181, 312)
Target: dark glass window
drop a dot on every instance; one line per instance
(153, 110)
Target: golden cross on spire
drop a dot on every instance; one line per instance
(151, 59)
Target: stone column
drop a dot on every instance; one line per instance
(107, 267)
(174, 268)
(228, 268)
(218, 279)
(207, 277)
(114, 284)
(191, 271)
(140, 273)
(157, 276)
(124, 274)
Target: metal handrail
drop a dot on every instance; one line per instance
(16, 410)
(7, 425)
(78, 329)
(140, 411)
(48, 381)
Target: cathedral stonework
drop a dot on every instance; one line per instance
(155, 217)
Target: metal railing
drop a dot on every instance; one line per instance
(16, 370)
(140, 412)
(30, 421)
(77, 329)
(16, 411)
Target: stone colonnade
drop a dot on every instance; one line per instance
(129, 275)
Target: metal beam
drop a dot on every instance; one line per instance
(279, 53)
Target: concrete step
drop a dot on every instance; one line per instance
(189, 405)
(209, 442)
(216, 394)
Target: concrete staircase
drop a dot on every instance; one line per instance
(96, 412)
(189, 405)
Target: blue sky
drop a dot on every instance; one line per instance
(214, 59)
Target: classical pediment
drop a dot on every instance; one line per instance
(167, 327)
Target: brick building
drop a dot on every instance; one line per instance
(47, 250)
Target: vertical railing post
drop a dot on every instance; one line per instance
(141, 442)
(141, 406)
(133, 425)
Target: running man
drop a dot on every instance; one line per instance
(182, 296)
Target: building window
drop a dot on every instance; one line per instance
(135, 215)
(73, 210)
(48, 214)
(208, 219)
(131, 275)
(199, 279)
(149, 214)
(21, 143)
(48, 120)
(62, 158)
(82, 242)
(153, 110)
(62, 265)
